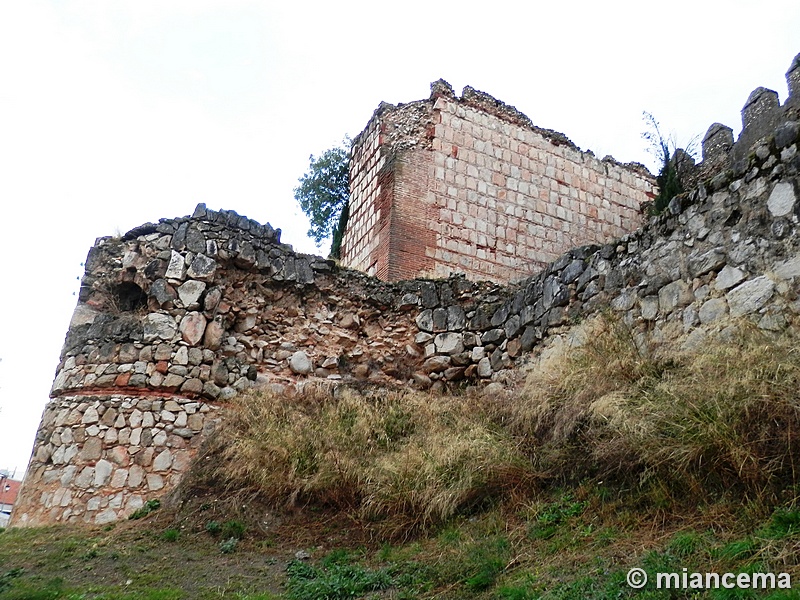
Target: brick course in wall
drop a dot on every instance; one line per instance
(469, 185)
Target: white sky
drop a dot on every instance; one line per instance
(113, 114)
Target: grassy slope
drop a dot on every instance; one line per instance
(610, 458)
(577, 544)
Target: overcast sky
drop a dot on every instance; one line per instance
(113, 114)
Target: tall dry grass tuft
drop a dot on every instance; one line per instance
(573, 407)
(404, 459)
(730, 417)
(726, 417)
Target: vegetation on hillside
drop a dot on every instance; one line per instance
(724, 421)
(401, 460)
(609, 457)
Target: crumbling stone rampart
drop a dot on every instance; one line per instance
(761, 115)
(175, 318)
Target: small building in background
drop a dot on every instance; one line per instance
(9, 488)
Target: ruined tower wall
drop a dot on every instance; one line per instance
(366, 182)
(176, 318)
(473, 187)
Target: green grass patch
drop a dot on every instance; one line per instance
(335, 580)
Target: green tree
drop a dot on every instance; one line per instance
(673, 162)
(323, 193)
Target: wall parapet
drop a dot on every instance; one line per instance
(761, 114)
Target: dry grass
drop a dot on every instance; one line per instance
(725, 417)
(404, 460)
(721, 421)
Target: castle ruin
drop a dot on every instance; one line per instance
(177, 317)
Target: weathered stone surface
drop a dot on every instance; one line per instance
(120, 478)
(211, 390)
(674, 295)
(649, 307)
(300, 363)
(90, 416)
(713, 310)
(573, 271)
(163, 292)
(227, 393)
(484, 368)
(493, 336)
(554, 293)
(177, 266)
(512, 326)
(439, 319)
(193, 326)
(163, 461)
(154, 482)
(436, 364)
(183, 432)
(102, 472)
(85, 478)
(214, 334)
(624, 301)
(750, 296)
(456, 318)
(119, 455)
(786, 134)
(195, 422)
(774, 322)
(454, 373)
(192, 386)
(202, 267)
(195, 241)
(729, 277)
(212, 299)
(173, 381)
(109, 515)
(707, 262)
(788, 269)
(190, 292)
(449, 343)
(529, 337)
(136, 476)
(158, 326)
(782, 199)
(92, 449)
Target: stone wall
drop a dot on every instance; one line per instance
(99, 458)
(175, 318)
(469, 185)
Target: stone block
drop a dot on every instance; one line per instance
(781, 200)
(449, 343)
(750, 296)
(713, 310)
